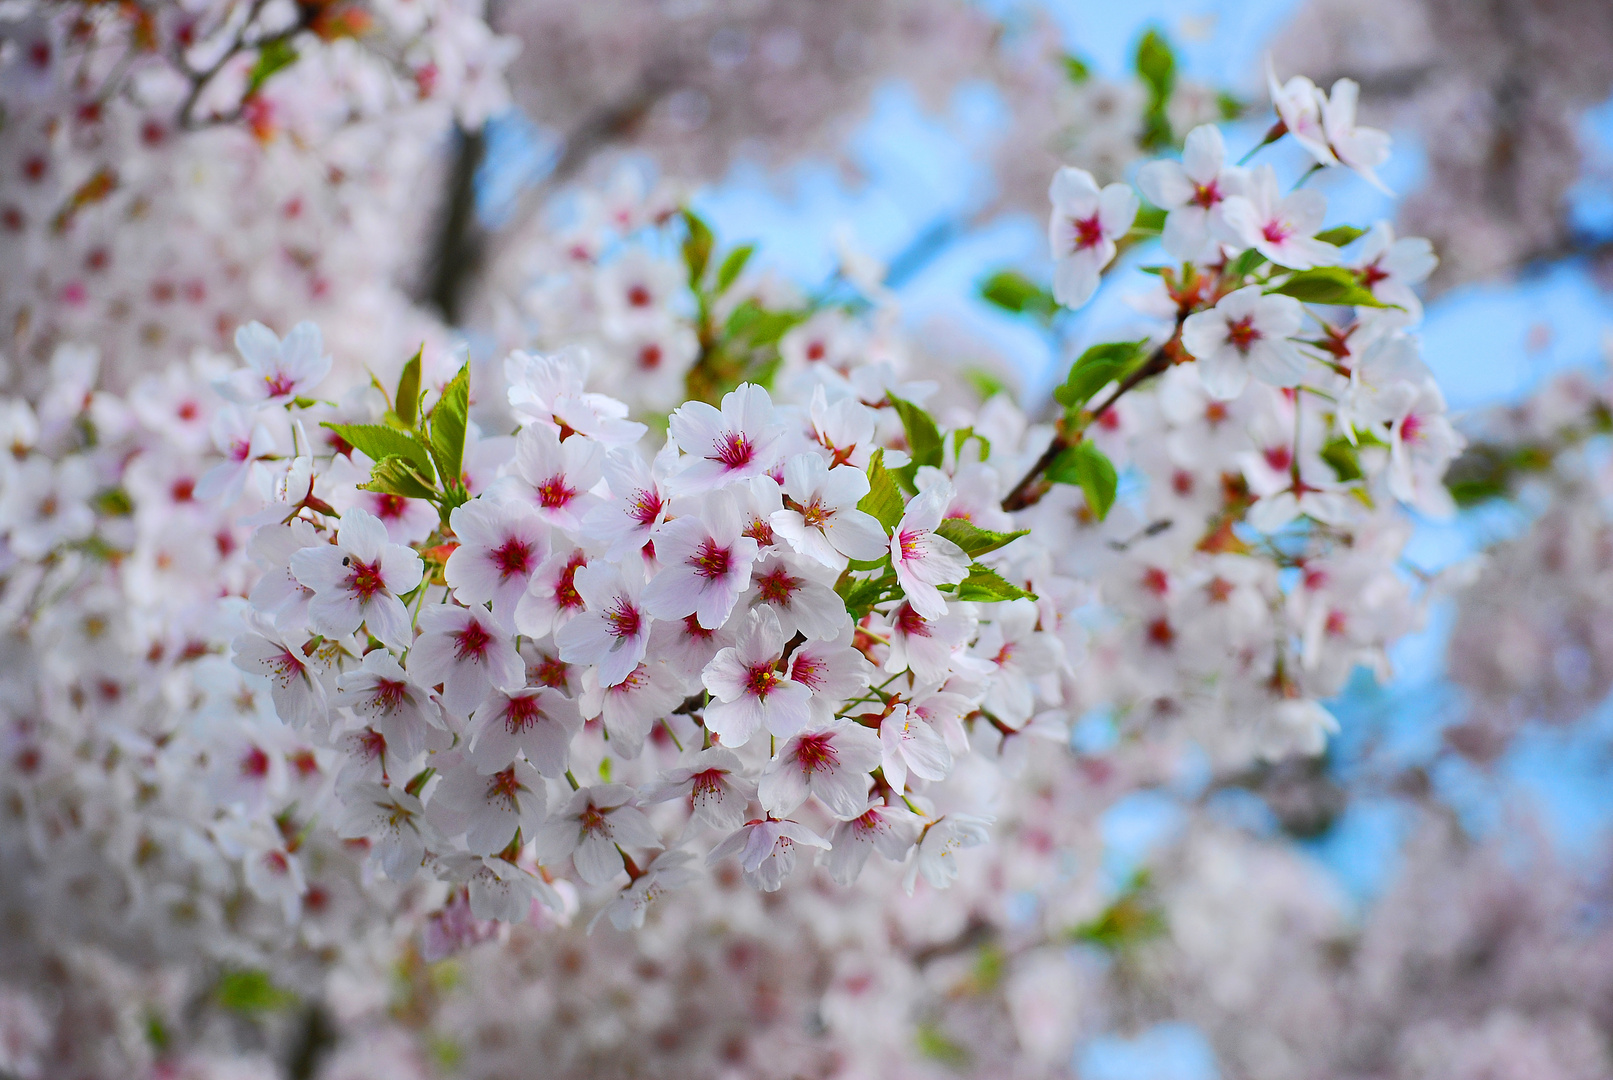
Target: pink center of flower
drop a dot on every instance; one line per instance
(276, 863)
(1337, 622)
(1241, 333)
(1156, 581)
(503, 787)
(709, 560)
(286, 665)
(649, 356)
(911, 543)
(708, 784)
(370, 743)
(911, 623)
(551, 671)
(734, 449)
(639, 296)
(1088, 232)
(364, 578)
(1372, 273)
(1206, 195)
(471, 643)
(814, 513)
(512, 557)
(390, 507)
(387, 695)
(622, 620)
(692, 628)
(521, 713)
(777, 586)
(761, 531)
(808, 671)
(280, 384)
(816, 753)
(1277, 231)
(761, 679)
(565, 588)
(1278, 457)
(554, 494)
(645, 506)
(254, 763)
(1411, 428)
(593, 820)
(1220, 590)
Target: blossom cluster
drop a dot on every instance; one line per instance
(473, 647)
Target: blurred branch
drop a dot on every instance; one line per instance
(457, 254)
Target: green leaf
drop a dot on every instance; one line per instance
(1340, 235)
(934, 1044)
(251, 992)
(275, 56)
(923, 437)
(114, 502)
(697, 246)
(397, 476)
(1245, 264)
(1132, 919)
(1096, 368)
(984, 585)
(1229, 106)
(973, 539)
(1344, 458)
(733, 266)
(1085, 466)
(1327, 285)
(1156, 65)
(1013, 291)
(1076, 69)
(983, 382)
(884, 498)
(754, 324)
(447, 423)
(861, 595)
(378, 442)
(407, 400)
(1150, 220)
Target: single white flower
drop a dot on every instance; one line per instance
(751, 691)
(922, 557)
(1082, 230)
(1246, 333)
(357, 580)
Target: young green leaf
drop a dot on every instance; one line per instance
(1150, 221)
(697, 246)
(250, 991)
(884, 498)
(923, 437)
(1015, 292)
(407, 400)
(973, 539)
(378, 442)
(1340, 235)
(1156, 65)
(1076, 69)
(1096, 368)
(985, 585)
(1327, 285)
(447, 423)
(733, 266)
(1086, 467)
(275, 56)
(1245, 264)
(861, 595)
(397, 476)
(1344, 458)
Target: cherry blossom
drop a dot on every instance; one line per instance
(706, 564)
(1192, 193)
(910, 745)
(614, 631)
(357, 580)
(766, 850)
(1083, 229)
(1282, 228)
(501, 545)
(890, 830)
(751, 691)
(555, 478)
(924, 559)
(487, 807)
(465, 651)
(277, 370)
(715, 784)
(537, 722)
(824, 523)
(735, 443)
(383, 696)
(592, 828)
(1246, 333)
(831, 764)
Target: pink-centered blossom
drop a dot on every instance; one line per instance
(924, 559)
(384, 697)
(1246, 333)
(554, 478)
(908, 744)
(715, 784)
(467, 652)
(823, 522)
(1192, 192)
(357, 581)
(536, 721)
(501, 546)
(705, 564)
(630, 708)
(614, 629)
(724, 446)
(1082, 230)
(831, 763)
(751, 691)
(551, 598)
(487, 807)
(277, 370)
(889, 830)
(294, 677)
(1281, 227)
(590, 827)
(766, 850)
